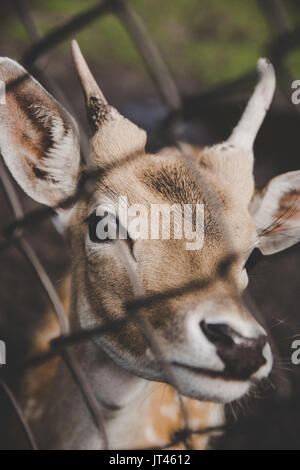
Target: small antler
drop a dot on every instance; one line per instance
(97, 107)
(246, 131)
(113, 135)
(88, 83)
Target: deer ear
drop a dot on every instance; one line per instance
(276, 212)
(39, 140)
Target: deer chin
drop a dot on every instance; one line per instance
(220, 386)
(209, 385)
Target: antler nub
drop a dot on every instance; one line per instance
(113, 136)
(246, 131)
(98, 109)
(88, 83)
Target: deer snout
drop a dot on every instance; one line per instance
(242, 356)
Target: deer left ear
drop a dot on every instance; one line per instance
(39, 139)
(276, 211)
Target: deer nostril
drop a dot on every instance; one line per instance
(219, 334)
(242, 356)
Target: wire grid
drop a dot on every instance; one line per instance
(14, 233)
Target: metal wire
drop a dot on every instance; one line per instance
(20, 415)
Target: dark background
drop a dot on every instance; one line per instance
(208, 46)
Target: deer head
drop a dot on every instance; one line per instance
(215, 347)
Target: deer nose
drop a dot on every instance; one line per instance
(242, 356)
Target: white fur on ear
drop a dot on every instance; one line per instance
(277, 214)
(39, 139)
(245, 132)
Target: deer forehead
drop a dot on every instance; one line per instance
(223, 183)
(161, 179)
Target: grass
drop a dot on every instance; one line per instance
(208, 40)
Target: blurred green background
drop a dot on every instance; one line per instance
(206, 40)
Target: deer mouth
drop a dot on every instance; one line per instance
(225, 375)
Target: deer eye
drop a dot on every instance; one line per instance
(93, 221)
(254, 259)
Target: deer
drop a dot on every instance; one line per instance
(215, 349)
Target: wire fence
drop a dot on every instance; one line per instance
(15, 233)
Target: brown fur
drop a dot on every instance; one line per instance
(121, 367)
(289, 208)
(37, 382)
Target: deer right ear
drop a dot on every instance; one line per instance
(276, 212)
(39, 140)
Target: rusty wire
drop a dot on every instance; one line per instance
(20, 415)
(14, 233)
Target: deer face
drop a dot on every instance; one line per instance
(204, 332)
(214, 346)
